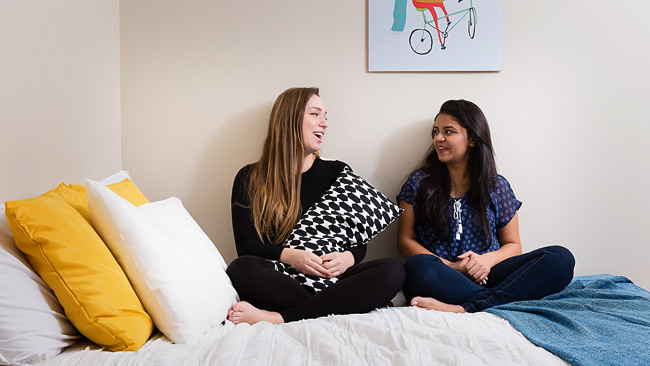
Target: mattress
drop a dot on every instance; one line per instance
(387, 336)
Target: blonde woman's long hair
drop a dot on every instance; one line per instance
(274, 187)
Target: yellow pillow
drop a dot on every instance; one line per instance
(54, 232)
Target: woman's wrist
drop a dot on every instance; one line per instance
(351, 259)
(286, 255)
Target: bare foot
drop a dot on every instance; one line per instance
(243, 312)
(433, 304)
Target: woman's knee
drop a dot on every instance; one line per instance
(238, 263)
(387, 271)
(395, 273)
(563, 263)
(420, 264)
(242, 267)
(563, 256)
(420, 274)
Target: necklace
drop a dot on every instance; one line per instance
(459, 189)
(458, 217)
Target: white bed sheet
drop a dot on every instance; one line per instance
(387, 336)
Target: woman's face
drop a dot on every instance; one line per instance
(451, 140)
(314, 125)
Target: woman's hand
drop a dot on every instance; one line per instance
(337, 262)
(305, 262)
(475, 266)
(459, 265)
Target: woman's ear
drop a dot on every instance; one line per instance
(471, 142)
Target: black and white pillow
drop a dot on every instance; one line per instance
(350, 213)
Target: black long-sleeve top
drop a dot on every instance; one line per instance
(315, 182)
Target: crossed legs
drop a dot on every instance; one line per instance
(530, 276)
(267, 293)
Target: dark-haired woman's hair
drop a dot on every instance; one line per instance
(435, 186)
(274, 187)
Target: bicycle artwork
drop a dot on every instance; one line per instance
(435, 35)
(421, 41)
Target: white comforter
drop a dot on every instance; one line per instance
(389, 336)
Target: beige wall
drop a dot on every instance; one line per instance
(59, 94)
(567, 111)
(198, 79)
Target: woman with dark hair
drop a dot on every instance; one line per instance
(268, 199)
(460, 226)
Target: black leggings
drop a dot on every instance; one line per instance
(361, 288)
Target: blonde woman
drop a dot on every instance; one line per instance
(268, 199)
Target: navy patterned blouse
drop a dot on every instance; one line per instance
(501, 209)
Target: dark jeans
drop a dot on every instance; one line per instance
(361, 288)
(528, 276)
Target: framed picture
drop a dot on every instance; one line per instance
(434, 35)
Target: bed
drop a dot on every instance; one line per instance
(69, 300)
(388, 336)
(597, 320)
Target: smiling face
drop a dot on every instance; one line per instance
(451, 140)
(314, 125)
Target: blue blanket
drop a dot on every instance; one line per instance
(596, 320)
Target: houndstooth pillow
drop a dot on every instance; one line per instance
(350, 213)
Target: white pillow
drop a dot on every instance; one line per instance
(175, 269)
(32, 324)
(115, 178)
